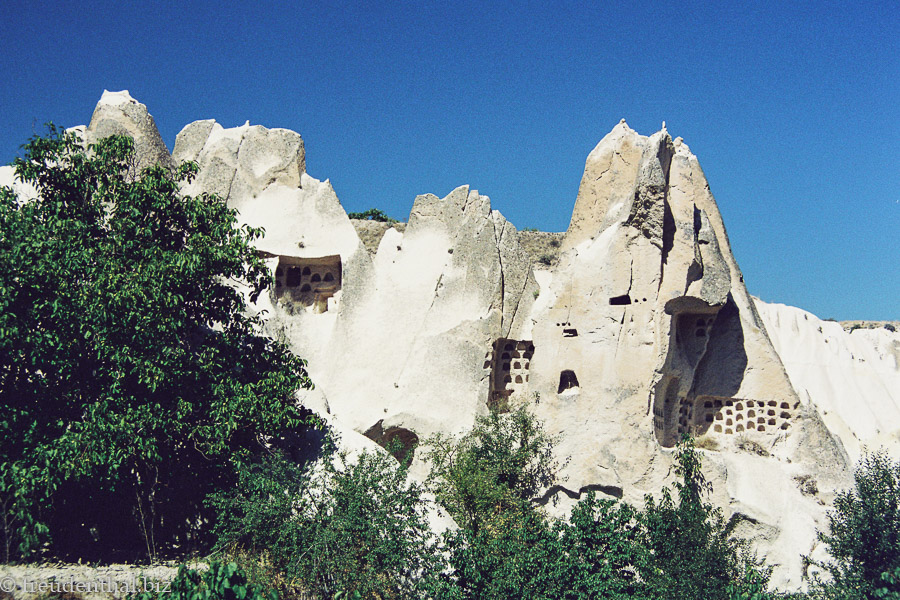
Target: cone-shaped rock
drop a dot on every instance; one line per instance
(118, 113)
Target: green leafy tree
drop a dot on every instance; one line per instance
(495, 469)
(603, 548)
(506, 546)
(130, 373)
(863, 535)
(357, 528)
(691, 554)
(487, 481)
(373, 214)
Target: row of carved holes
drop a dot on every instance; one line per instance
(686, 410)
(750, 427)
(295, 277)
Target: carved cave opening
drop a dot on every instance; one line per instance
(706, 353)
(400, 442)
(666, 433)
(729, 416)
(691, 334)
(308, 283)
(719, 415)
(509, 361)
(567, 381)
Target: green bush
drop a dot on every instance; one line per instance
(373, 214)
(603, 549)
(690, 551)
(888, 588)
(506, 547)
(863, 536)
(333, 526)
(130, 373)
(221, 581)
(496, 468)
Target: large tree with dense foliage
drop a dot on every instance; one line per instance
(131, 375)
(690, 550)
(863, 534)
(506, 546)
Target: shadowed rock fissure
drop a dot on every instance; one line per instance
(237, 154)
(497, 239)
(613, 491)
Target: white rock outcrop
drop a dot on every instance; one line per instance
(852, 378)
(24, 191)
(642, 331)
(118, 113)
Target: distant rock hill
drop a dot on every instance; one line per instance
(633, 327)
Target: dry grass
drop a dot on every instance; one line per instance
(807, 485)
(747, 445)
(707, 443)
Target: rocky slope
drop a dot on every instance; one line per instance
(851, 376)
(640, 328)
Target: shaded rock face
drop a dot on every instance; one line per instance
(638, 331)
(118, 113)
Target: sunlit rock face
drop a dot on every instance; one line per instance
(851, 375)
(640, 332)
(118, 113)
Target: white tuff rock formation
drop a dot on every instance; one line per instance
(642, 331)
(852, 377)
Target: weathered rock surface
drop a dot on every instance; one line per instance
(851, 377)
(55, 580)
(23, 191)
(371, 232)
(638, 331)
(118, 113)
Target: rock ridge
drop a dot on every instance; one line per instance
(630, 329)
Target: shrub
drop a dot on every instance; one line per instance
(752, 446)
(864, 532)
(690, 551)
(486, 480)
(603, 547)
(497, 467)
(221, 581)
(373, 214)
(707, 443)
(333, 526)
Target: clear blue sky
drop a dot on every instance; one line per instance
(793, 111)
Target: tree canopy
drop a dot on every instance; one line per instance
(863, 534)
(129, 366)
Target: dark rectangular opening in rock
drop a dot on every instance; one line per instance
(307, 283)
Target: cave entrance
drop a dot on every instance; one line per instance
(510, 365)
(308, 283)
(567, 381)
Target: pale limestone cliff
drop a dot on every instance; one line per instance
(640, 331)
(118, 113)
(852, 378)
